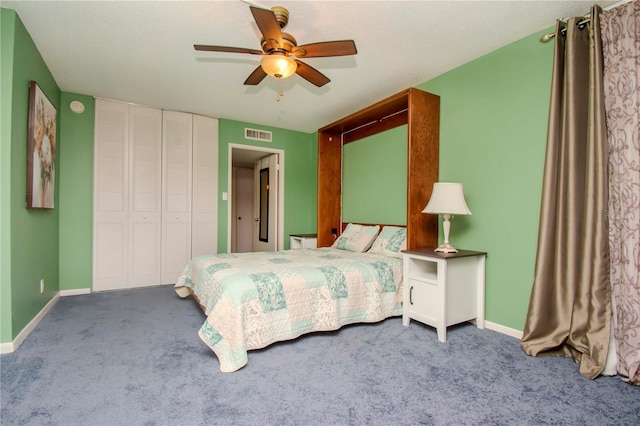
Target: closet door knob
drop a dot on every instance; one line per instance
(177, 217)
(144, 217)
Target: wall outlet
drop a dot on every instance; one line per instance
(41, 286)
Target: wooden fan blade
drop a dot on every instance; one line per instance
(311, 74)
(268, 26)
(255, 77)
(325, 48)
(206, 48)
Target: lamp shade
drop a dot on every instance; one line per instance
(278, 65)
(447, 198)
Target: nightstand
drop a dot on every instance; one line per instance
(300, 241)
(442, 289)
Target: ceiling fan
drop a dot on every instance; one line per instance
(280, 51)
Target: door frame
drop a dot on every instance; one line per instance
(266, 151)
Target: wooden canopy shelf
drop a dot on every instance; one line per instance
(421, 112)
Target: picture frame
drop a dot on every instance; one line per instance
(41, 150)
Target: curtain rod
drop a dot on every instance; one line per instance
(584, 21)
(548, 36)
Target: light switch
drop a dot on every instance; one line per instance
(224, 196)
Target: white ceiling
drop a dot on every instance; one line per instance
(142, 51)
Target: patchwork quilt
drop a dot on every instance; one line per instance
(254, 299)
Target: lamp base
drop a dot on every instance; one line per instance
(446, 248)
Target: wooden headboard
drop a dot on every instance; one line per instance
(417, 109)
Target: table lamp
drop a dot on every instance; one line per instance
(447, 199)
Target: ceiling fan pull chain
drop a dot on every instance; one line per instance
(280, 91)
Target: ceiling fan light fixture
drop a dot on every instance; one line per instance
(278, 65)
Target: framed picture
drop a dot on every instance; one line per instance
(41, 150)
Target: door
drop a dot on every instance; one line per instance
(266, 204)
(176, 198)
(204, 217)
(110, 203)
(145, 163)
(243, 199)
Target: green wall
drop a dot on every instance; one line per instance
(374, 178)
(7, 31)
(33, 234)
(76, 195)
(301, 176)
(493, 122)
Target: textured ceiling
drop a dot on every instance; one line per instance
(142, 51)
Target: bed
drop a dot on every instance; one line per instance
(254, 299)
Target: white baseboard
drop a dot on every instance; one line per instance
(503, 329)
(6, 348)
(74, 292)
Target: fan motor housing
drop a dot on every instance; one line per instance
(288, 41)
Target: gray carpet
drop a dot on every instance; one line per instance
(134, 358)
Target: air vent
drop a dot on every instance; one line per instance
(258, 135)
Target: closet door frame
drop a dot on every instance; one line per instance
(281, 189)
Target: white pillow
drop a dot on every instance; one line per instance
(356, 238)
(391, 241)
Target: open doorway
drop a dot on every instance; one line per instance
(245, 220)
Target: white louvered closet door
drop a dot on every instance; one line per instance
(155, 194)
(111, 204)
(204, 225)
(176, 194)
(145, 166)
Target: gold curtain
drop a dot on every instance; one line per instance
(570, 307)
